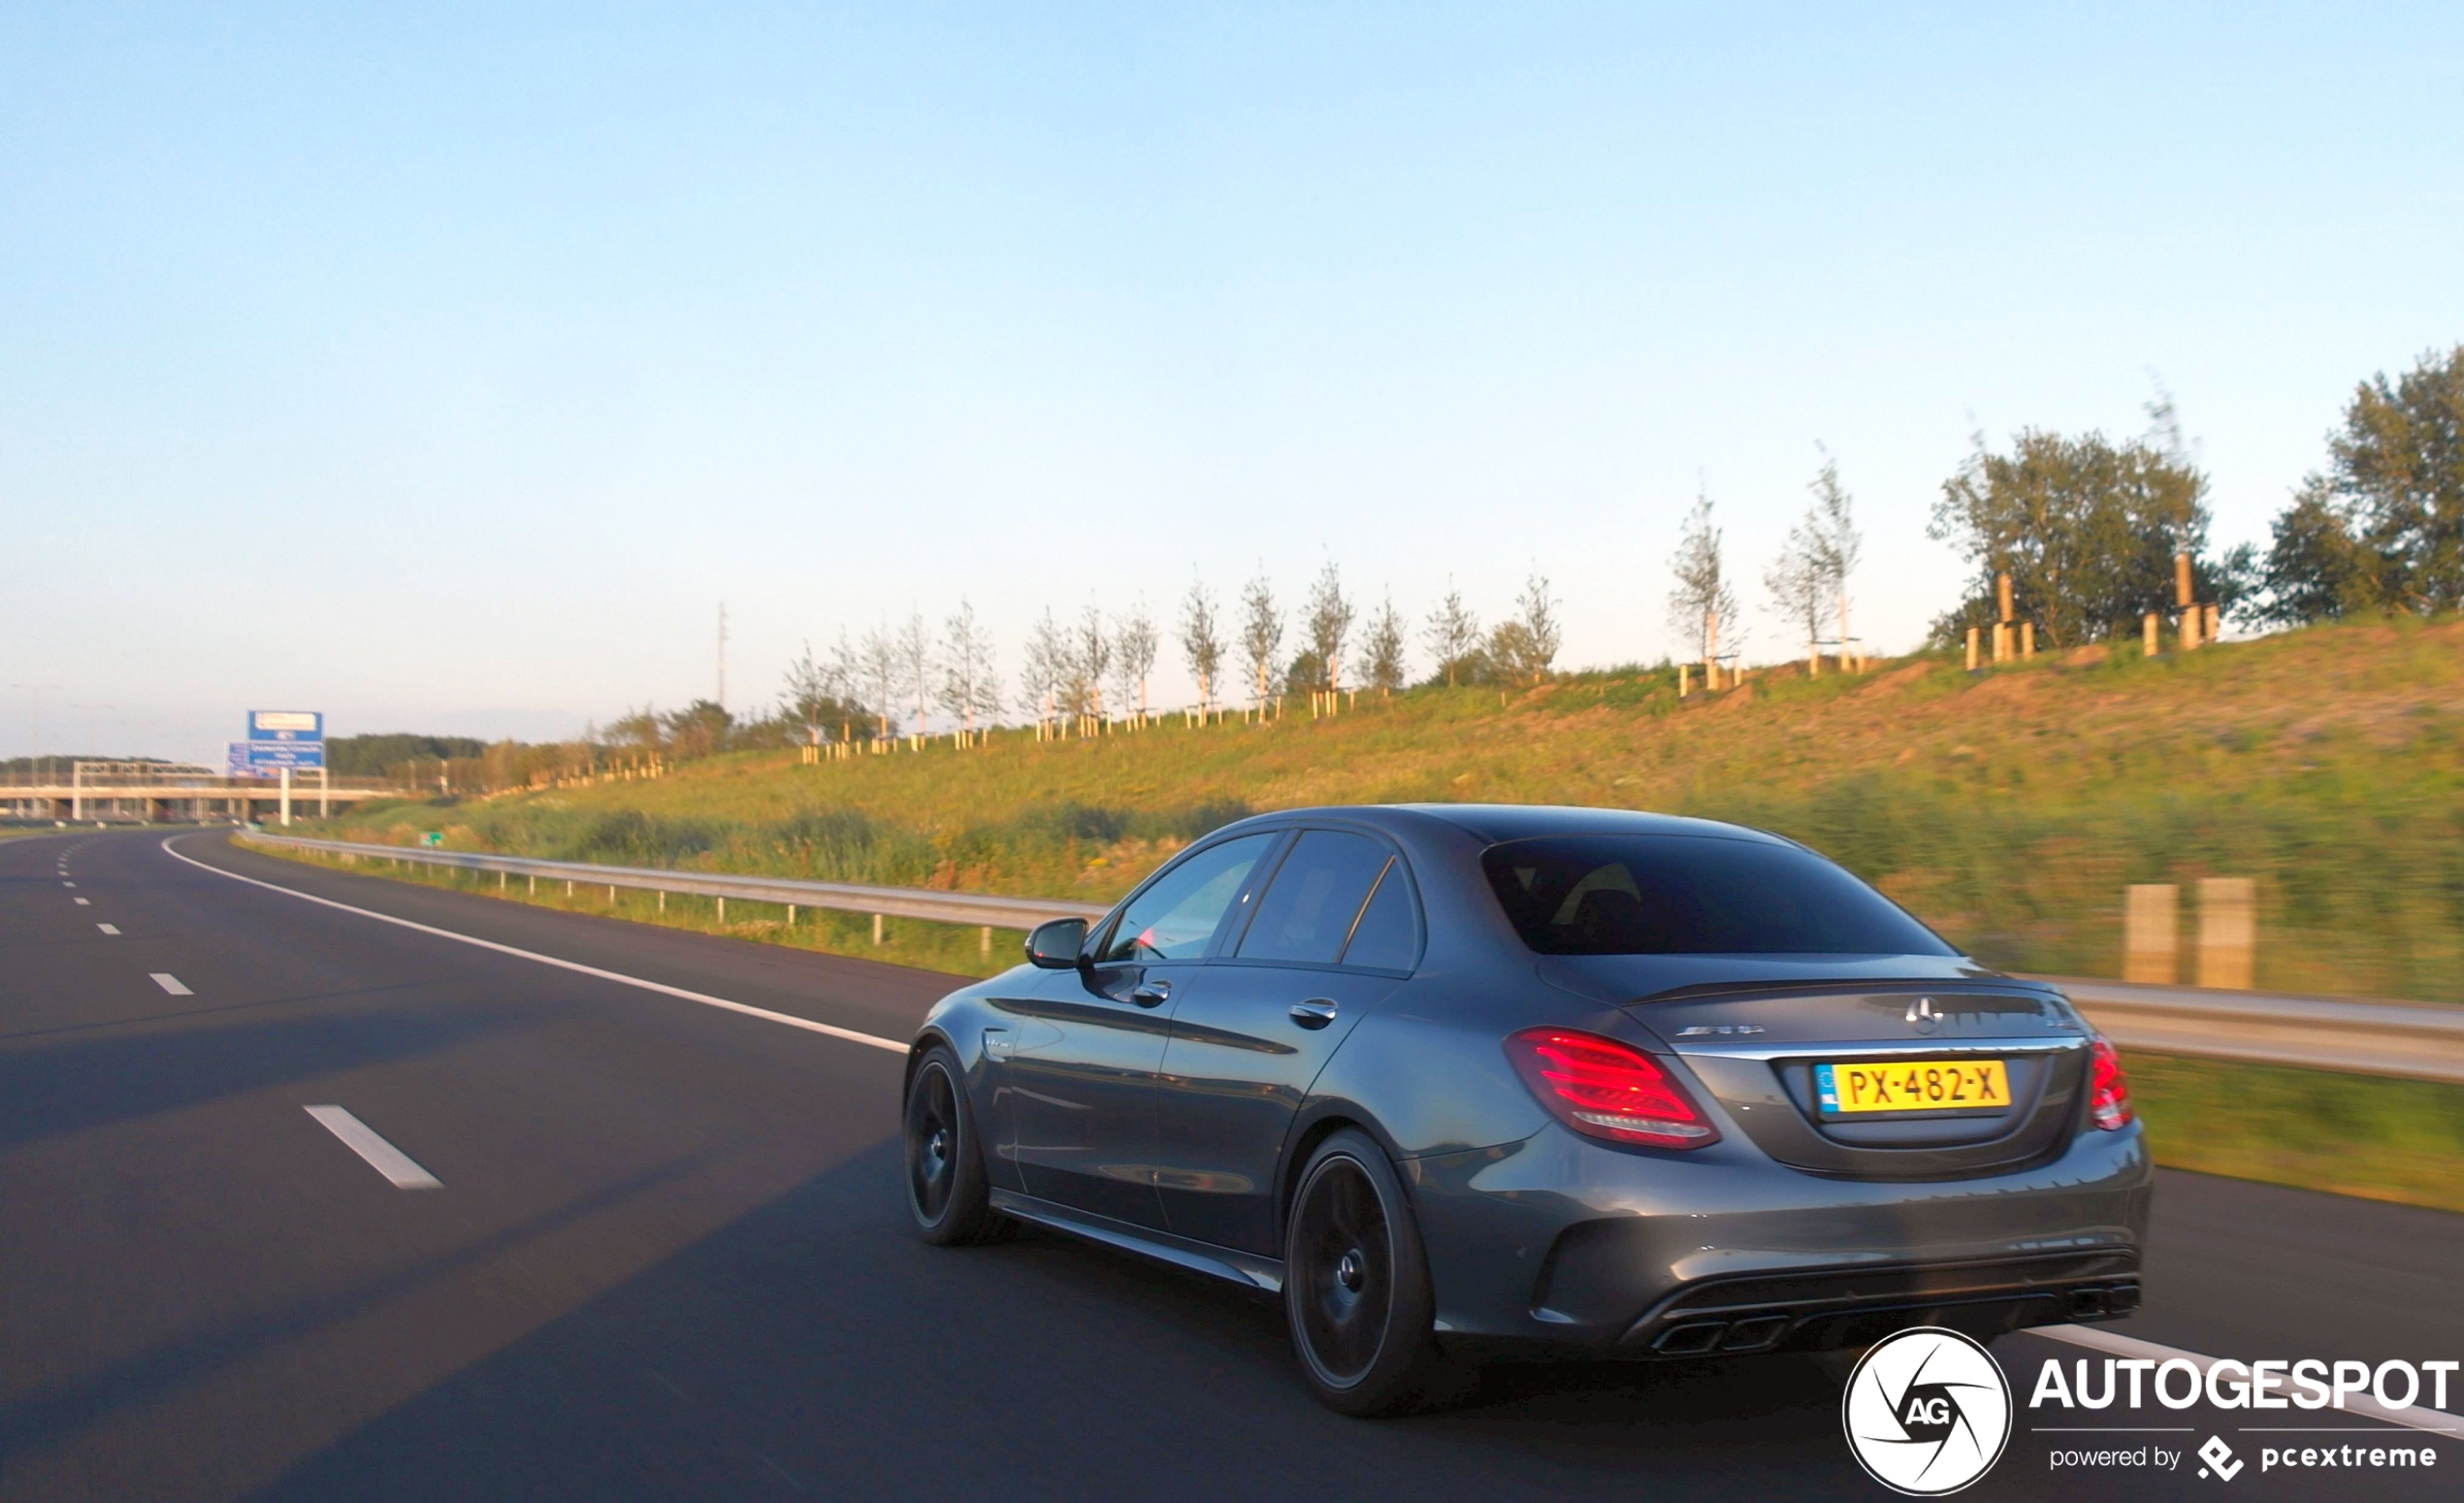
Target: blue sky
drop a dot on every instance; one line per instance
(444, 368)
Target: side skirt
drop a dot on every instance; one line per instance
(1246, 1269)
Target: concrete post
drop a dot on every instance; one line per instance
(2002, 596)
(2149, 931)
(2228, 932)
(984, 940)
(876, 928)
(2028, 639)
(2182, 581)
(2190, 629)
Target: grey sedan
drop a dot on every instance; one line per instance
(1461, 1083)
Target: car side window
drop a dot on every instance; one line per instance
(1388, 936)
(1314, 897)
(1173, 919)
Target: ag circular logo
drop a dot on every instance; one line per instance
(1927, 1411)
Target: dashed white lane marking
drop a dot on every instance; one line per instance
(83, 903)
(170, 983)
(382, 1157)
(2113, 1343)
(68, 884)
(617, 976)
(109, 929)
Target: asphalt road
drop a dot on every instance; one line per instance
(668, 1260)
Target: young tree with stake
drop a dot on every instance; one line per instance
(1261, 635)
(1201, 644)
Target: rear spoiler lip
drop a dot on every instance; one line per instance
(1713, 991)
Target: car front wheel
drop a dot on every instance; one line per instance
(947, 1191)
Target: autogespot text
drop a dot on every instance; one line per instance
(2287, 1384)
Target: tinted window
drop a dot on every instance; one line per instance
(1692, 894)
(1388, 936)
(1309, 907)
(1174, 919)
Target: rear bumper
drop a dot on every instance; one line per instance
(1562, 1246)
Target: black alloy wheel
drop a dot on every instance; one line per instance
(1356, 1288)
(945, 1188)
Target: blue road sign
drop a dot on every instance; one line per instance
(286, 725)
(261, 757)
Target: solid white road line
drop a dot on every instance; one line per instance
(170, 983)
(617, 976)
(2115, 1344)
(109, 929)
(382, 1157)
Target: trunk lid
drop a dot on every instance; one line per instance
(1757, 1030)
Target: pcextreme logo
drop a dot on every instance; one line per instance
(1926, 1412)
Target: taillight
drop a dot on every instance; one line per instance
(2109, 1090)
(1603, 1089)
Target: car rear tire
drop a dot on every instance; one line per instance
(947, 1191)
(1356, 1290)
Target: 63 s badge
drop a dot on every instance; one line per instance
(1927, 1411)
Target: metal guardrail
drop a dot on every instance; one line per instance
(905, 902)
(2414, 1040)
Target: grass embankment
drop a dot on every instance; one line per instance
(2009, 810)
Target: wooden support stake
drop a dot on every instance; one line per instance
(2002, 596)
(2028, 639)
(1972, 635)
(876, 928)
(984, 940)
(2228, 932)
(2149, 932)
(2153, 635)
(722, 911)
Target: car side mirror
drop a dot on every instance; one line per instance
(1054, 945)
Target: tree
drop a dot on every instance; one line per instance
(1834, 520)
(1380, 664)
(1134, 646)
(969, 685)
(698, 729)
(1201, 642)
(1453, 633)
(880, 680)
(1044, 668)
(1799, 579)
(1330, 618)
(2382, 525)
(2086, 528)
(1703, 604)
(914, 664)
(813, 696)
(1261, 633)
(1524, 645)
(1091, 660)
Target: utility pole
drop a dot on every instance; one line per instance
(722, 654)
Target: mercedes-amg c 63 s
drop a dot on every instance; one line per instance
(1467, 1082)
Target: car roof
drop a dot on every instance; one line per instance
(1493, 822)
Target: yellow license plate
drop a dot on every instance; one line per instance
(1913, 1085)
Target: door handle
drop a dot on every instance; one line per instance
(1151, 994)
(1314, 1014)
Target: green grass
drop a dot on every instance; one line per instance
(2009, 810)
(2361, 1135)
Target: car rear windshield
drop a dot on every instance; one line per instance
(1692, 894)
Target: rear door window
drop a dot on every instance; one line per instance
(1315, 898)
(1388, 936)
